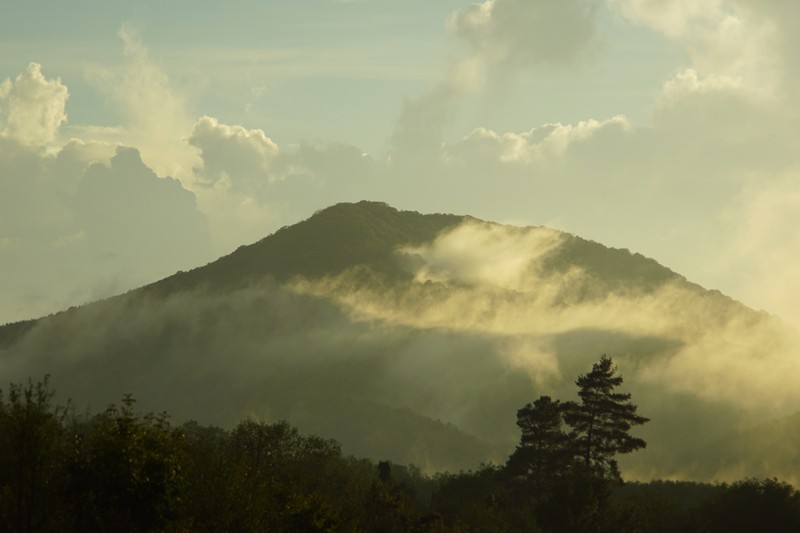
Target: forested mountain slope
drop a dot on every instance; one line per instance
(417, 337)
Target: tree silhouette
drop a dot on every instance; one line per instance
(31, 444)
(567, 475)
(545, 450)
(602, 421)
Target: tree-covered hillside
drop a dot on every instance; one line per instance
(415, 338)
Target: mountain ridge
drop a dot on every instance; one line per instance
(346, 248)
(364, 321)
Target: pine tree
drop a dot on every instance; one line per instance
(602, 421)
(545, 450)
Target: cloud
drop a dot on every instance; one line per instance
(289, 356)
(675, 18)
(233, 156)
(520, 33)
(503, 38)
(419, 132)
(718, 121)
(764, 245)
(723, 39)
(676, 344)
(70, 234)
(478, 252)
(34, 107)
(544, 143)
(130, 214)
(156, 120)
(247, 185)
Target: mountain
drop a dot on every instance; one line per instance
(417, 337)
(328, 243)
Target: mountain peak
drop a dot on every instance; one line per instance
(331, 241)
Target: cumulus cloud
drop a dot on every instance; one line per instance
(232, 155)
(248, 186)
(516, 33)
(503, 38)
(33, 107)
(675, 18)
(718, 122)
(156, 120)
(418, 135)
(539, 144)
(130, 213)
(76, 218)
(724, 40)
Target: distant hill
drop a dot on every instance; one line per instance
(416, 338)
(330, 242)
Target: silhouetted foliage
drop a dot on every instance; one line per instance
(766, 506)
(124, 471)
(602, 421)
(483, 500)
(567, 475)
(31, 457)
(545, 451)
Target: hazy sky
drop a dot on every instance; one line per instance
(141, 138)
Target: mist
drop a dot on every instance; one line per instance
(431, 368)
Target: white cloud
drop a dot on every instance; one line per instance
(65, 232)
(689, 81)
(34, 107)
(479, 252)
(247, 185)
(419, 132)
(503, 37)
(674, 18)
(519, 33)
(723, 39)
(537, 145)
(765, 246)
(720, 351)
(233, 155)
(156, 118)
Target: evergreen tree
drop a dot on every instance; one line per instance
(545, 451)
(602, 421)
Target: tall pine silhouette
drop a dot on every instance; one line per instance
(602, 421)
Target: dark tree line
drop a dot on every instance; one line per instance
(125, 471)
